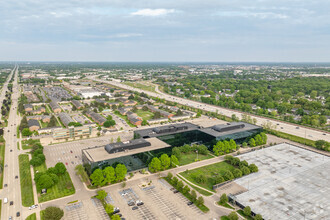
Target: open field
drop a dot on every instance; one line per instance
(145, 115)
(209, 172)
(145, 87)
(291, 182)
(26, 180)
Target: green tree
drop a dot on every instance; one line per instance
(247, 211)
(115, 217)
(253, 168)
(109, 123)
(101, 194)
(121, 172)
(45, 182)
(169, 175)
(233, 216)
(60, 168)
(180, 185)
(53, 213)
(185, 189)
(97, 177)
(258, 140)
(174, 160)
(245, 170)
(52, 122)
(118, 139)
(109, 175)
(237, 173)
(223, 199)
(175, 181)
(26, 132)
(322, 145)
(165, 161)
(109, 209)
(155, 165)
(252, 142)
(193, 195)
(258, 217)
(228, 175)
(200, 201)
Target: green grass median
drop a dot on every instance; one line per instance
(26, 180)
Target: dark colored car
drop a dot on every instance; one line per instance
(16, 177)
(6, 185)
(175, 191)
(131, 203)
(190, 203)
(18, 214)
(135, 208)
(140, 203)
(11, 203)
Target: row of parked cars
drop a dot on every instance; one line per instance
(135, 204)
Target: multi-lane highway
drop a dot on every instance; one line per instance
(11, 169)
(293, 129)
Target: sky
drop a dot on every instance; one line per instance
(165, 30)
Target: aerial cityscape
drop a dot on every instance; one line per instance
(179, 110)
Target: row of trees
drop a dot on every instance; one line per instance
(109, 209)
(258, 140)
(38, 156)
(184, 189)
(163, 162)
(108, 175)
(45, 180)
(224, 147)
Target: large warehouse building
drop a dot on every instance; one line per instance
(136, 154)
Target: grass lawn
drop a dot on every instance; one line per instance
(201, 191)
(26, 180)
(63, 188)
(0, 206)
(190, 157)
(32, 217)
(242, 214)
(145, 115)
(224, 218)
(42, 215)
(209, 171)
(2, 160)
(145, 87)
(43, 124)
(18, 132)
(225, 205)
(291, 137)
(27, 144)
(49, 109)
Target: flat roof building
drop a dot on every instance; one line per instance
(128, 153)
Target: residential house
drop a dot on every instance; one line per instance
(33, 125)
(55, 107)
(77, 104)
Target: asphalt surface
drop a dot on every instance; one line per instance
(293, 129)
(11, 169)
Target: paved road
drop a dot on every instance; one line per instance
(11, 169)
(280, 126)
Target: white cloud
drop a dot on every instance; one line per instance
(153, 12)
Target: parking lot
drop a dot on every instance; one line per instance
(70, 153)
(75, 211)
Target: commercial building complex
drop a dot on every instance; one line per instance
(136, 153)
(72, 132)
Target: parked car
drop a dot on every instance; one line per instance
(16, 177)
(131, 203)
(6, 185)
(190, 203)
(135, 208)
(139, 202)
(18, 214)
(175, 191)
(11, 203)
(116, 210)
